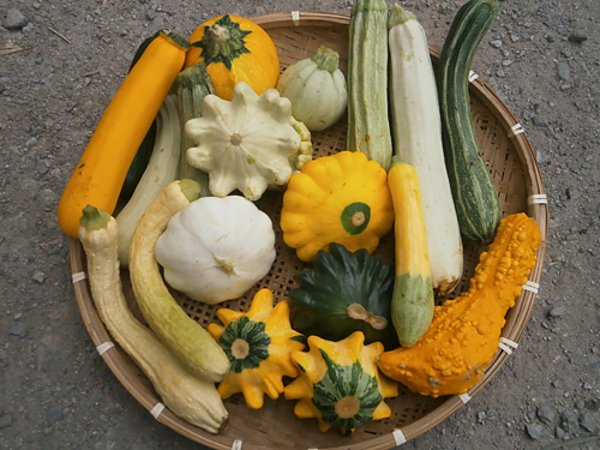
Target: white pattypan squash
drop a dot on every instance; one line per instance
(216, 249)
(244, 144)
(317, 89)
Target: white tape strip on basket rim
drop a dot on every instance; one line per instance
(399, 437)
(296, 17)
(517, 128)
(157, 410)
(77, 277)
(537, 199)
(465, 398)
(472, 76)
(104, 347)
(237, 444)
(531, 286)
(507, 345)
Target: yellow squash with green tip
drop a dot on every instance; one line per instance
(412, 299)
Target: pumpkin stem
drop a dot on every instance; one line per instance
(326, 59)
(225, 265)
(223, 42)
(357, 311)
(236, 139)
(358, 218)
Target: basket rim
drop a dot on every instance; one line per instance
(119, 363)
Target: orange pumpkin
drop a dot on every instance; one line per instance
(235, 49)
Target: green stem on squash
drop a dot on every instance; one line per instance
(190, 188)
(93, 219)
(398, 15)
(326, 59)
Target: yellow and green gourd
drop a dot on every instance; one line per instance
(339, 383)
(258, 344)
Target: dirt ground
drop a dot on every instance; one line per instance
(60, 63)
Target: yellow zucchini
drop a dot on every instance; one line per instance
(101, 171)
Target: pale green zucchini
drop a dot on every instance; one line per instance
(160, 171)
(368, 124)
(191, 86)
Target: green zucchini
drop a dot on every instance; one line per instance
(368, 125)
(141, 158)
(474, 193)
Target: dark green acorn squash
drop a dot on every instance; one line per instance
(344, 292)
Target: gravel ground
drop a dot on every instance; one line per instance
(60, 62)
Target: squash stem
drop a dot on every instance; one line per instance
(398, 15)
(190, 188)
(326, 59)
(93, 218)
(223, 41)
(396, 159)
(176, 39)
(357, 311)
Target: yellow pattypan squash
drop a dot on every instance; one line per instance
(259, 344)
(234, 49)
(341, 198)
(339, 383)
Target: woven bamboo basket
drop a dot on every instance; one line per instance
(511, 160)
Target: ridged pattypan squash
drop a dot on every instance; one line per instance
(345, 292)
(259, 344)
(341, 198)
(244, 144)
(339, 383)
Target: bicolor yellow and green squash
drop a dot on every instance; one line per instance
(259, 344)
(412, 299)
(339, 383)
(235, 49)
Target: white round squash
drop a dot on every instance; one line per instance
(216, 249)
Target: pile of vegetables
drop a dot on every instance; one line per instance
(214, 126)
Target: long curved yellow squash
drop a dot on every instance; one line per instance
(101, 171)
